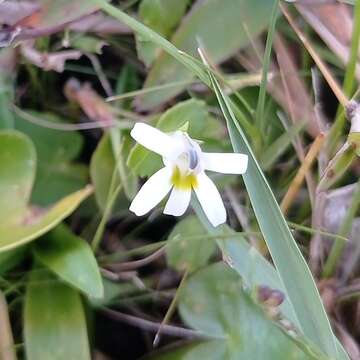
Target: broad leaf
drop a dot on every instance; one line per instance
(57, 173)
(205, 26)
(108, 172)
(161, 16)
(36, 223)
(17, 173)
(214, 303)
(189, 246)
(55, 325)
(72, 259)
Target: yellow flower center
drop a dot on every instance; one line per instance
(183, 181)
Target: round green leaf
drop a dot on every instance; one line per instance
(205, 25)
(189, 246)
(214, 302)
(72, 259)
(57, 174)
(102, 169)
(17, 173)
(55, 325)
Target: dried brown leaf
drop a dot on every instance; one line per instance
(334, 24)
(90, 102)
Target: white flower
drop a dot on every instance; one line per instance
(184, 170)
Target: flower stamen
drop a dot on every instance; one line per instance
(183, 181)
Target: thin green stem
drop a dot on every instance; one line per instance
(265, 70)
(171, 308)
(101, 228)
(189, 62)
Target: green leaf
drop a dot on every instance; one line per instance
(88, 44)
(280, 145)
(189, 247)
(55, 325)
(194, 112)
(188, 61)
(6, 88)
(57, 173)
(337, 166)
(214, 303)
(10, 259)
(37, 223)
(354, 139)
(161, 16)
(72, 259)
(103, 171)
(299, 284)
(255, 270)
(17, 173)
(204, 26)
(120, 149)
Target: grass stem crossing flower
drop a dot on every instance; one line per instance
(184, 170)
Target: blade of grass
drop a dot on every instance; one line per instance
(280, 145)
(260, 119)
(134, 93)
(298, 283)
(151, 35)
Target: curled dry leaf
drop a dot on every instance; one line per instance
(11, 12)
(90, 102)
(48, 61)
(24, 20)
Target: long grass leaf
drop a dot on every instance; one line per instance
(151, 35)
(298, 282)
(260, 119)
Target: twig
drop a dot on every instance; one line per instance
(154, 326)
(132, 265)
(67, 127)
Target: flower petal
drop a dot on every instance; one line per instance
(228, 163)
(178, 202)
(152, 192)
(210, 200)
(153, 139)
